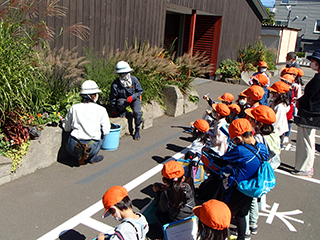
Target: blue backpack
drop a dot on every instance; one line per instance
(260, 185)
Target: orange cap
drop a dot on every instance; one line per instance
(242, 94)
(235, 108)
(214, 214)
(262, 114)
(262, 79)
(280, 87)
(112, 196)
(288, 78)
(227, 97)
(202, 125)
(239, 127)
(172, 169)
(291, 70)
(263, 64)
(255, 92)
(222, 109)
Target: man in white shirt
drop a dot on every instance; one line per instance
(88, 123)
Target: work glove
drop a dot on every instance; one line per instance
(129, 99)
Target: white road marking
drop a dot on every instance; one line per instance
(313, 180)
(84, 217)
(283, 216)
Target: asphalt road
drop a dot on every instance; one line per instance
(44, 204)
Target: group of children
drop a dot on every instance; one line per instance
(243, 135)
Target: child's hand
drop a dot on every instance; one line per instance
(208, 112)
(205, 97)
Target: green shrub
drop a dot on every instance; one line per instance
(63, 71)
(251, 54)
(301, 54)
(102, 71)
(229, 69)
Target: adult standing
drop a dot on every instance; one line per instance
(308, 108)
(88, 123)
(126, 91)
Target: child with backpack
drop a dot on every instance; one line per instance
(214, 220)
(245, 159)
(174, 198)
(133, 226)
(261, 119)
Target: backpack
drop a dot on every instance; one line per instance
(262, 183)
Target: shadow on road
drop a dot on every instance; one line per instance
(71, 235)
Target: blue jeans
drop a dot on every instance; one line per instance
(95, 147)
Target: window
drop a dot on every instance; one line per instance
(317, 26)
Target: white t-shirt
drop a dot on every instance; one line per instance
(86, 121)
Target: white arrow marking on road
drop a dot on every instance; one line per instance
(282, 216)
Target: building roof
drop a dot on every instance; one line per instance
(281, 26)
(261, 9)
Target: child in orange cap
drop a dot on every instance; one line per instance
(245, 159)
(219, 135)
(234, 112)
(133, 225)
(214, 220)
(261, 119)
(242, 101)
(280, 104)
(262, 81)
(199, 134)
(254, 94)
(262, 69)
(174, 198)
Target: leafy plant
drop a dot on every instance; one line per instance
(62, 72)
(188, 67)
(23, 28)
(101, 69)
(229, 69)
(301, 54)
(251, 54)
(16, 154)
(14, 128)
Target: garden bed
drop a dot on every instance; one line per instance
(47, 148)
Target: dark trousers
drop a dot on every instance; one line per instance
(122, 104)
(239, 205)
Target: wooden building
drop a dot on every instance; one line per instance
(218, 27)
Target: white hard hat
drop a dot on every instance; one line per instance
(89, 87)
(123, 67)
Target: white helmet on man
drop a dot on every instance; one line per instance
(123, 67)
(89, 87)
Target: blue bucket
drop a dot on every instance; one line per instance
(111, 140)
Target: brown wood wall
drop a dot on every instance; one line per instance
(113, 22)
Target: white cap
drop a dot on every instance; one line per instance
(89, 87)
(123, 67)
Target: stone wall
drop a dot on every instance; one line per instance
(47, 149)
